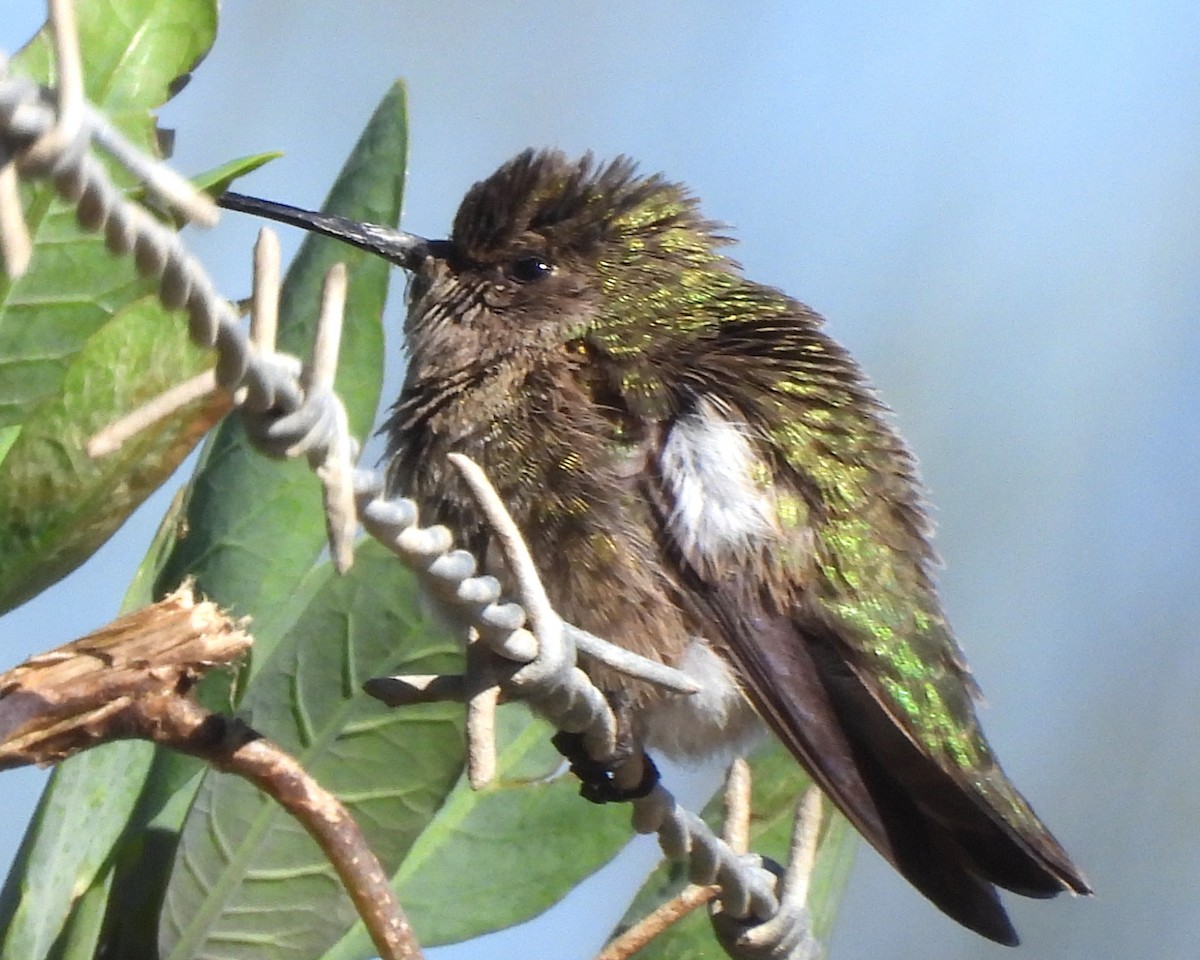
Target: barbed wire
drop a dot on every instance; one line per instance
(289, 408)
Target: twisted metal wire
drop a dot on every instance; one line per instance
(283, 418)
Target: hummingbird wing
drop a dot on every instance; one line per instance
(817, 594)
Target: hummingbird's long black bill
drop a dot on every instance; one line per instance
(405, 250)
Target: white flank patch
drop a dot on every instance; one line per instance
(719, 510)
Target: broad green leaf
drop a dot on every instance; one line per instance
(133, 52)
(60, 858)
(59, 505)
(248, 881)
(57, 351)
(102, 788)
(778, 785)
(8, 436)
(510, 851)
(41, 329)
(83, 928)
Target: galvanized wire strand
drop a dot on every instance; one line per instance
(787, 934)
(25, 117)
(15, 246)
(287, 419)
(747, 890)
(282, 419)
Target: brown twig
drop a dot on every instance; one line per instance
(656, 922)
(131, 679)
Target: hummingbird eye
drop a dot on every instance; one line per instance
(530, 268)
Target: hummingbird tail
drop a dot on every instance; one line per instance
(954, 834)
(956, 854)
(954, 837)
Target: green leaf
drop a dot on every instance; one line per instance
(8, 436)
(67, 326)
(509, 851)
(71, 291)
(59, 505)
(248, 881)
(59, 858)
(215, 181)
(59, 340)
(133, 51)
(61, 307)
(778, 783)
(83, 928)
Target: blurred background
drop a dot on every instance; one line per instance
(997, 207)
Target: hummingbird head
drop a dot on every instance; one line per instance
(548, 255)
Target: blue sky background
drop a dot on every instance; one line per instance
(998, 209)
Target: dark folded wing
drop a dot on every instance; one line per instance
(849, 661)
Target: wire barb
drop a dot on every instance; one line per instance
(735, 831)
(110, 439)
(15, 246)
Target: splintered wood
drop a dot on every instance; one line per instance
(71, 698)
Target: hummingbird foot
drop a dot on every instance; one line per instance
(608, 780)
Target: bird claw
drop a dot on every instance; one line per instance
(599, 782)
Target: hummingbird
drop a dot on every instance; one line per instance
(708, 479)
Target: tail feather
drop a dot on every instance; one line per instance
(948, 838)
(952, 841)
(933, 861)
(992, 827)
